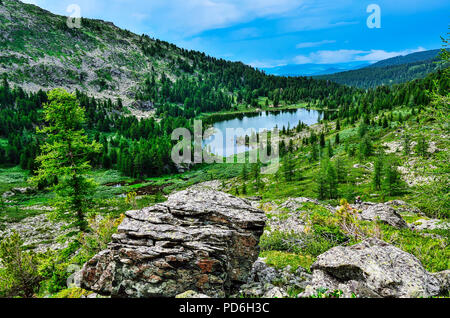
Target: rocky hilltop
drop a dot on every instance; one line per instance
(200, 239)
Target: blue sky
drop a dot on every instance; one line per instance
(273, 33)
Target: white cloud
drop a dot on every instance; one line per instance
(378, 55)
(313, 44)
(190, 17)
(268, 63)
(344, 56)
(35, 2)
(302, 59)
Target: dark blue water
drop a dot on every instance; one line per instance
(227, 146)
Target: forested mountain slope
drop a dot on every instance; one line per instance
(39, 51)
(407, 59)
(395, 70)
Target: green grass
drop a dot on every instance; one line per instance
(434, 253)
(280, 260)
(11, 177)
(16, 214)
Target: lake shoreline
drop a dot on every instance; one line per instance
(242, 124)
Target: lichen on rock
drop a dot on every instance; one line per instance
(199, 239)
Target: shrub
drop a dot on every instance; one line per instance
(19, 276)
(74, 292)
(325, 293)
(99, 237)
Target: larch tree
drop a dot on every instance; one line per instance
(63, 161)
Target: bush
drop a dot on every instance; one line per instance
(325, 293)
(99, 237)
(73, 293)
(53, 268)
(19, 276)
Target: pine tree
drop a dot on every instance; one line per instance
(377, 172)
(422, 146)
(406, 144)
(341, 170)
(65, 156)
(288, 167)
(362, 130)
(365, 148)
(314, 156)
(337, 140)
(392, 181)
(329, 150)
(332, 181)
(256, 175)
(20, 269)
(322, 140)
(322, 184)
(244, 189)
(244, 173)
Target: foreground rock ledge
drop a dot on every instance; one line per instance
(200, 240)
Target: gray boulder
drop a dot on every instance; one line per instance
(384, 213)
(372, 268)
(191, 294)
(403, 207)
(263, 278)
(444, 279)
(430, 224)
(199, 239)
(275, 292)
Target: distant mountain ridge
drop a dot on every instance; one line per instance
(410, 58)
(391, 71)
(313, 69)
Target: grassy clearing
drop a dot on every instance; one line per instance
(11, 177)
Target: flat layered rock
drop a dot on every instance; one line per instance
(199, 239)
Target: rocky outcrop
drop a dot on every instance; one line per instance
(191, 294)
(430, 224)
(38, 232)
(268, 282)
(291, 224)
(199, 239)
(403, 207)
(372, 268)
(444, 280)
(382, 212)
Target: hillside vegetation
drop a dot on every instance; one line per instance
(82, 156)
(391, 71)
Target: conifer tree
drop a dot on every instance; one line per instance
(377, 172)
(337, 139)
(406, 144)
(392, 181)
(65, 156)
(422, 146)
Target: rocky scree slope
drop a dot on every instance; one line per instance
(39, 51)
